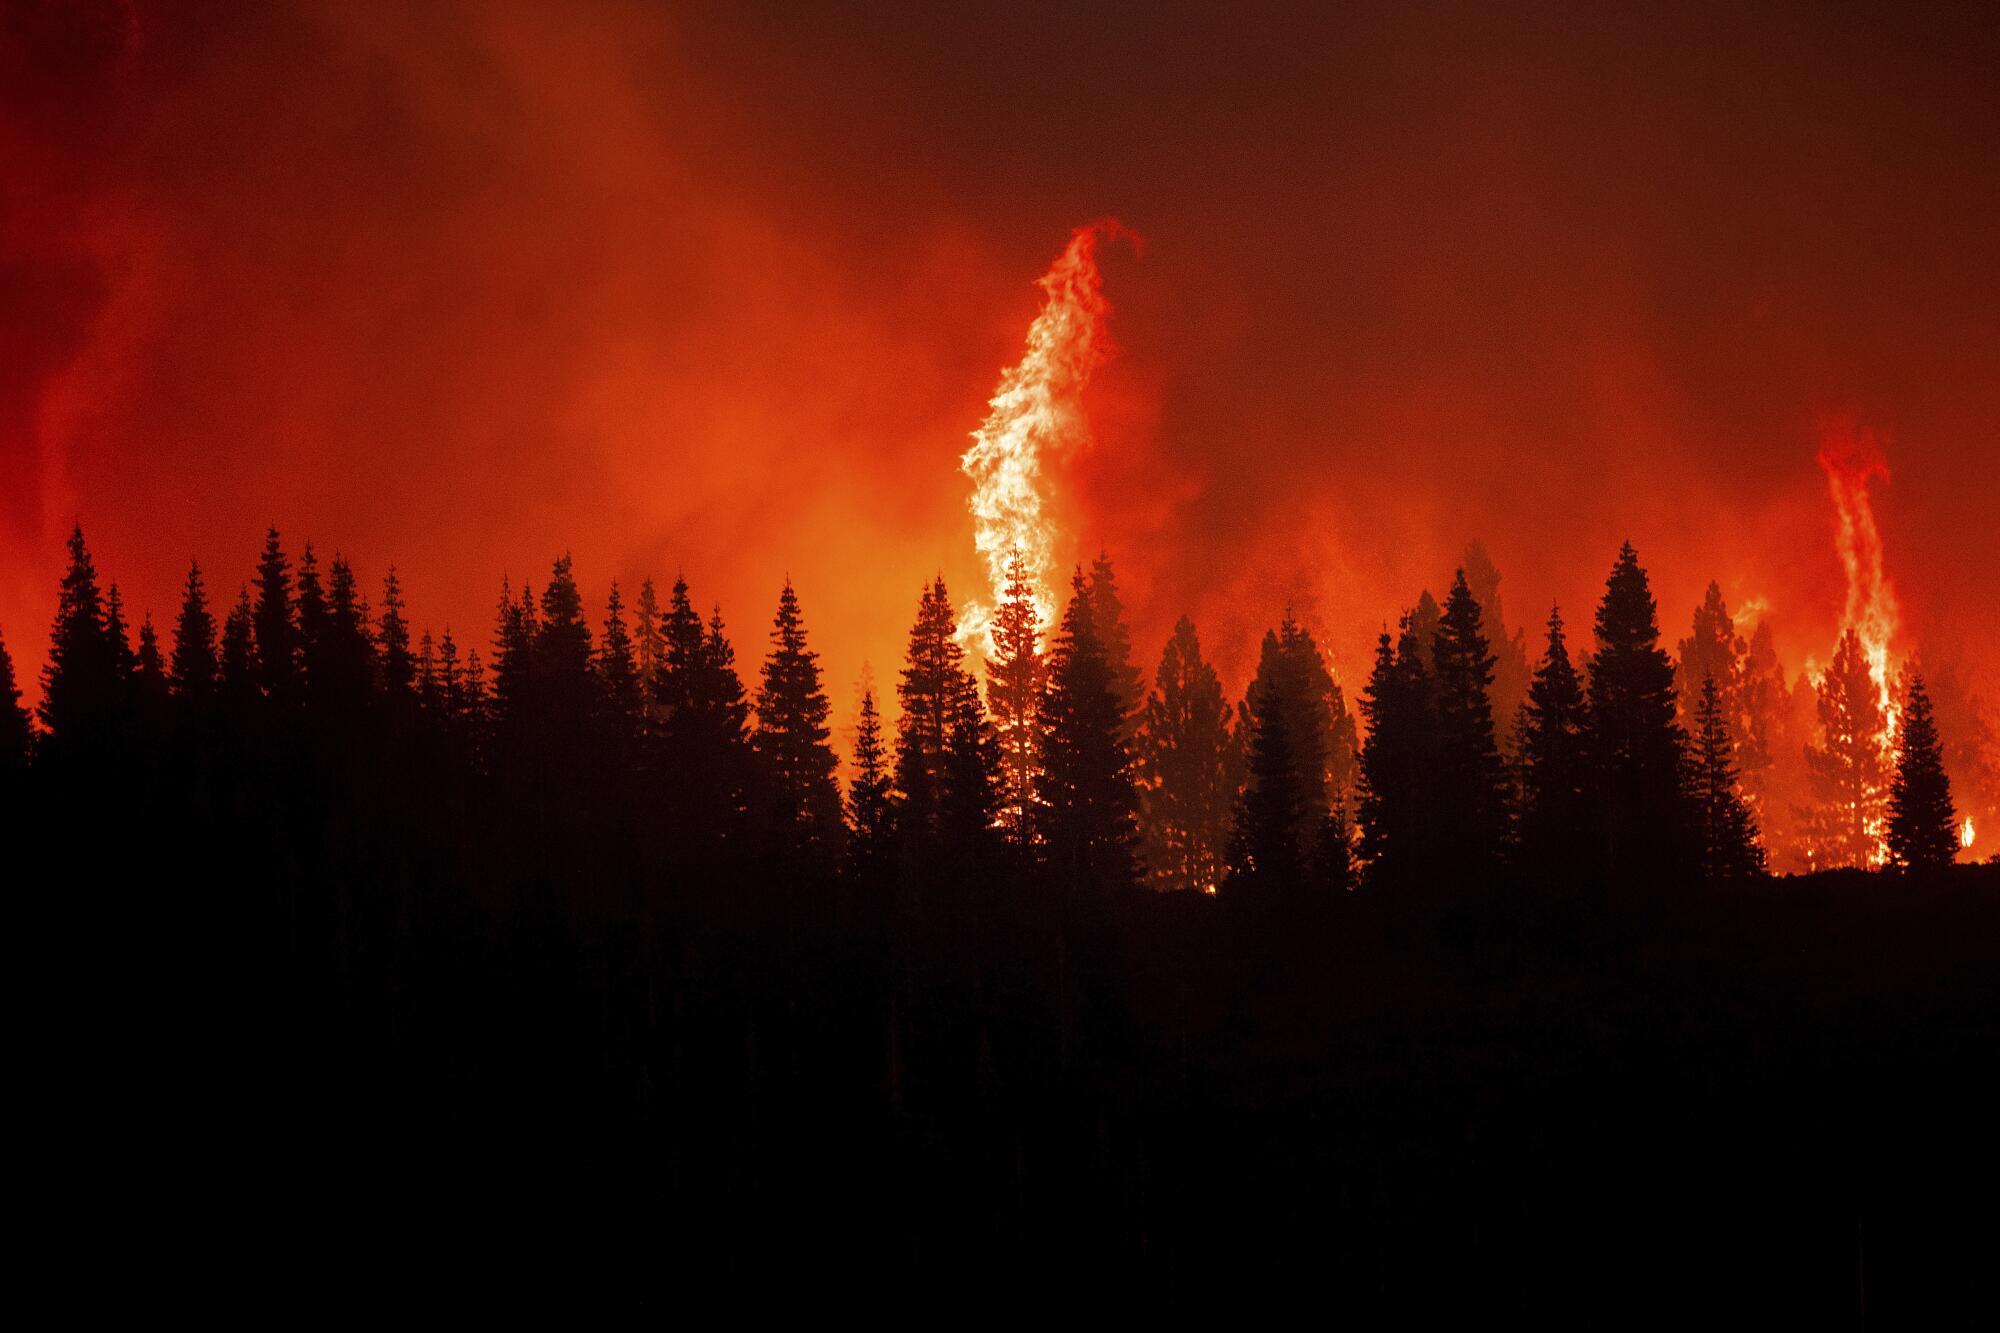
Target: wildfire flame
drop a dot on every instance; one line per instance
(1851, 459)
(1966, 837)
(1036, 412)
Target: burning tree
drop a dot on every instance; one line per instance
(1016, 675)
(1848, 768)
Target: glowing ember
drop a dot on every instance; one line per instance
(1036, 412)
(1851, 459)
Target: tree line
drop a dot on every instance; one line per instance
(1621, 766)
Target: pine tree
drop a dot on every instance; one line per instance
(16, 735)
(430, 695)
(1085, 803)
(1266, 855)
(345, 659)
(1298, 763)
(703, 741)
(1108, 622)
(82, 695)
(791, 737)
(930, 690)
(314, 618)
(477, 709)
(617, 669)
(151, 692)
(124, 661)
(946, 783)
(566, 684)
(1728, 834)
(275, 624)
(869, 815)
(1470, 782)
(237, 671)
(392, 636)
(1555, 777)
(192, 669)
(1923, 832)
(678, 677)
(513, 658)
(1713, 648)
(1183, 751)
(1399, 812)
(649, 651)
(1848, 770)
(1637, 751)
(1016, 676)
(451, 684)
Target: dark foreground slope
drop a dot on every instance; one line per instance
(1760, 1103)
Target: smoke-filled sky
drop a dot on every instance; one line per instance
(723, 292)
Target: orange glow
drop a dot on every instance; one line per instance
(1037, 413)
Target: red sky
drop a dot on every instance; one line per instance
(465, 286)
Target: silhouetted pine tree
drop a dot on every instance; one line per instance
(869, 817)
(969, 815)
(430, 695)
(1281, 839)
(450, 684)
(1108, 621)
(392, 638)
(871, 823)
(313, 617)
(1085, 803)
(1923, 825)
(82, 693)
(1713, 647)
(477, 708)
(946, 758)
(124, 661)
(1265, 856)
(1728, 835)
(930, 690)
(791, 738)
(237, 687)
(192, 668)
(1399, 811)
(16, 735)
(617, 668)
(648, 651)
(276, 625)
(566, 681)
(1555, 770)
(1847, 770)
(1638, 754)
(513, 661)
(341, 677)
(151, 693)
(705, 756)
(1016, 677)
(1187, 796)
(1471, 783)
